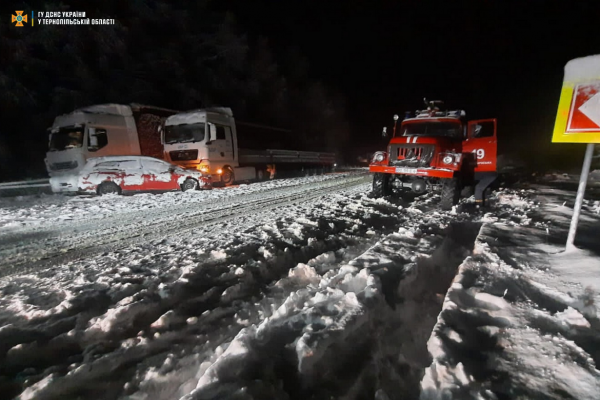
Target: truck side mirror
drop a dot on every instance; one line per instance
(384, 132)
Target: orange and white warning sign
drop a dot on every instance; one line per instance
(578, 116)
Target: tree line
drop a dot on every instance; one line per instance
(176, 55)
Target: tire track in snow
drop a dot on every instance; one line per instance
(209, 291)
(372, 342)
(87, 239)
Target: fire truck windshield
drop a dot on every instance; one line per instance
(447, 129)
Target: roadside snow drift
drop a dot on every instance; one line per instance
(520, 320)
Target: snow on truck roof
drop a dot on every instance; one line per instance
(193, 116)
(112, 109)
(116, 109)
(436, 115)
(433, 119)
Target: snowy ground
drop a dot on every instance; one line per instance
(295, 289)
(521, 319)
(42, 210)
(71, 233)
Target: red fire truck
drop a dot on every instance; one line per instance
(437, 150)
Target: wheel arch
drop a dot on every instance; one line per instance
(108, 181)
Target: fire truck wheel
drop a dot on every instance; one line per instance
(227, 178)
(450, 193)
(467, 191)
(381, 185)
(189, 184)
(108, 188)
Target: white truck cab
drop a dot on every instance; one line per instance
(88, 132)
(206, 140)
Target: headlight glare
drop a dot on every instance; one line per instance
(379, 156)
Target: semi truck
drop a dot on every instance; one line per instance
(101, 130)
(437, 150)
(211, 141)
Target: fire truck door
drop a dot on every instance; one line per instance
(481, 141)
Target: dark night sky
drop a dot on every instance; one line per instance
(493, 58)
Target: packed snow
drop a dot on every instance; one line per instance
(520, 319)
(25, 211)
(329, 295)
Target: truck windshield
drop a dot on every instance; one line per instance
(66, 138)
(448, 129)
(185, 133)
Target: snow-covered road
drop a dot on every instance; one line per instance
(292, 289)
(35, 246)
(155, 318)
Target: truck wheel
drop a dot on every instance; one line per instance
(450, 193)
(189, 184)
(381, 185)
(108, 188)
(227, 177)
(467, 191)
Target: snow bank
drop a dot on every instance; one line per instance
(499, 321)
(339, 323)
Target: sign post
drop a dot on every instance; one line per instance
(587, 161)
(578, 120)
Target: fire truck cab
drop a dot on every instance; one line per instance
(437, 150)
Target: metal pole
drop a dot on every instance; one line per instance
(587, 161)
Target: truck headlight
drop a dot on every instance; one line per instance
(204, 169)
(448, 159)
(379, 156)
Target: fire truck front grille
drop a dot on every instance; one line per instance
(411, 155)
(184, 155)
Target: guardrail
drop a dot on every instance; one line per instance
(35, 186)
(25, 184)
